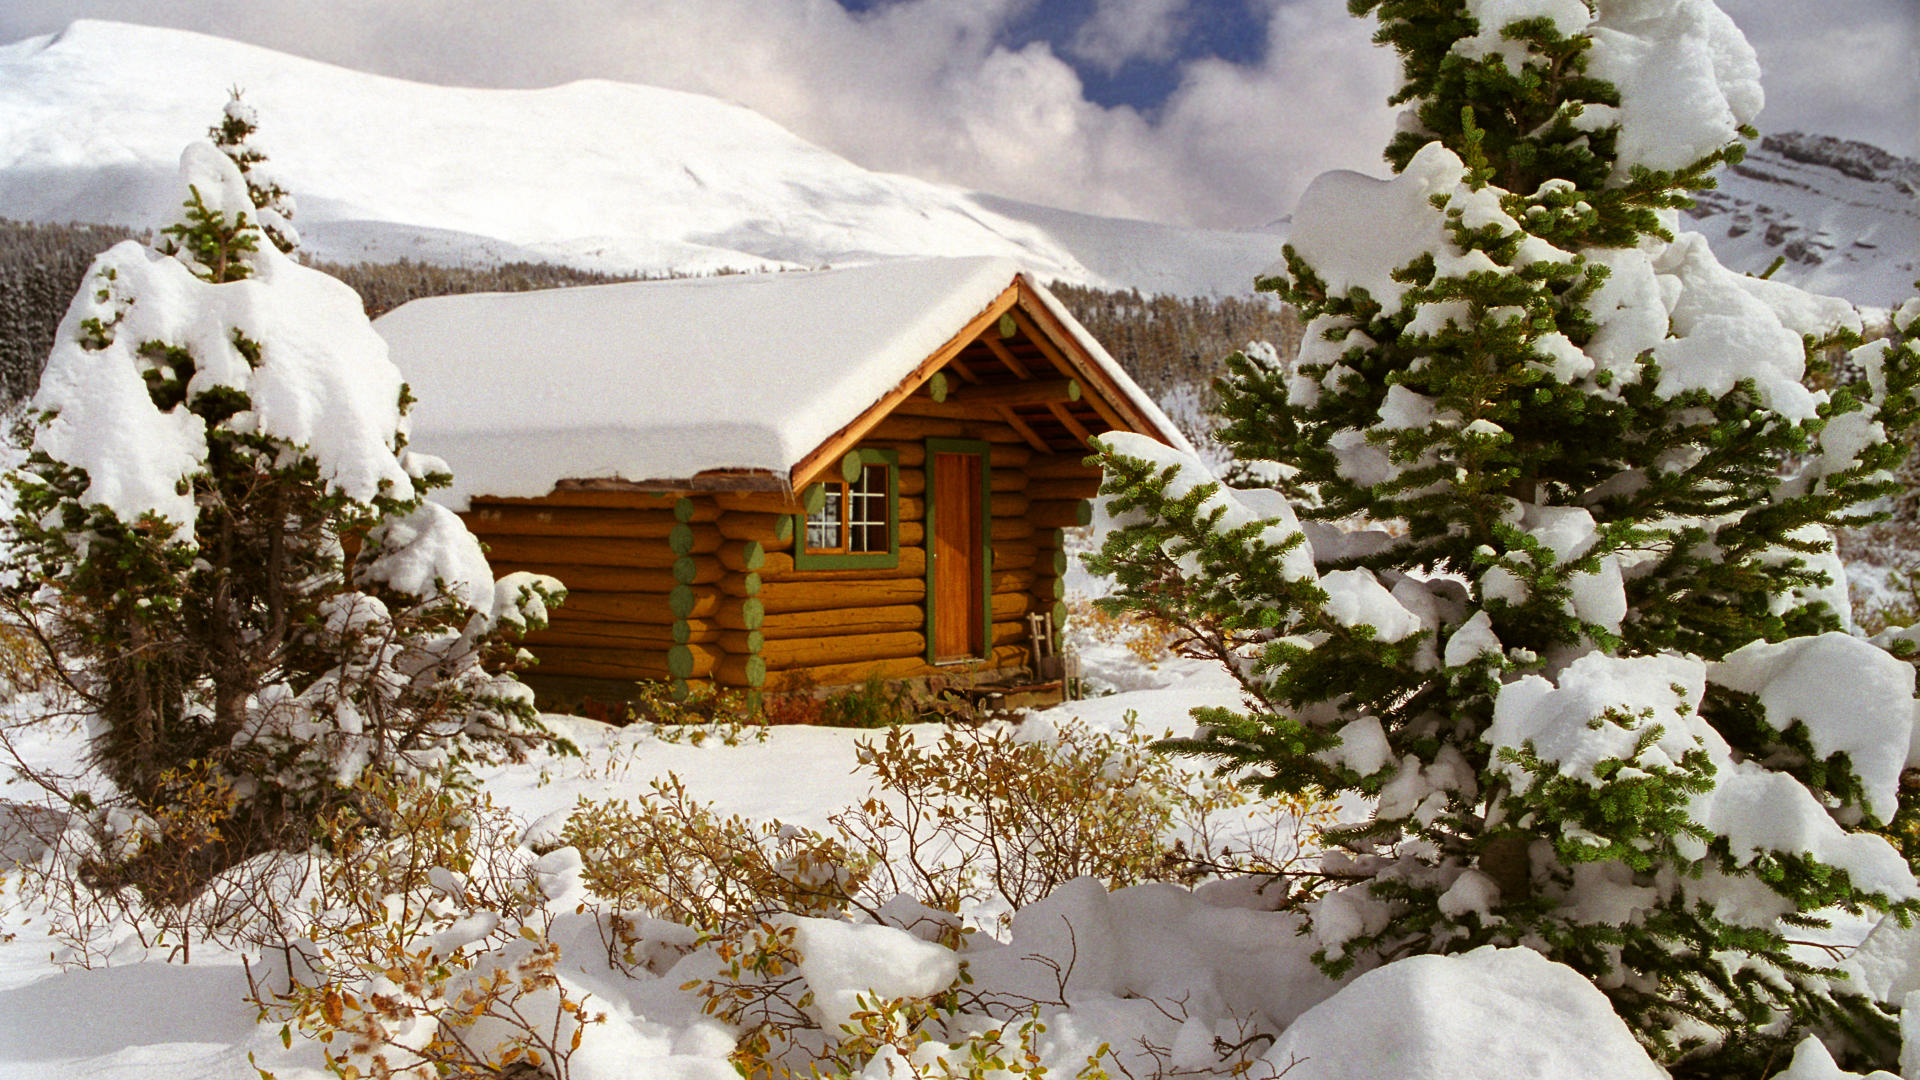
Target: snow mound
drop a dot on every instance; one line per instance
(1491, 1014)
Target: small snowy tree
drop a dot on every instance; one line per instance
(1550, 577)
(272, 204)
(224, 539)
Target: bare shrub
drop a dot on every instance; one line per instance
(983, 813)
(428, 950)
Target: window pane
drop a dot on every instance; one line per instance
(867, 517)
(823, 526)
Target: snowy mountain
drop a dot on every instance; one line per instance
(1844, 214)
(596, 174)
(614, 176)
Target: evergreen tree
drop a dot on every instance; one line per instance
(273, 205)
(223, 538)
(1560, 597)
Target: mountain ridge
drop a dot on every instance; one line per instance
(598, 174)
(616, 177)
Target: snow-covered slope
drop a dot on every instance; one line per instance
(614, 176)
(598, 174)
(1844, 214)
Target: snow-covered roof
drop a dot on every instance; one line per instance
(665, 380)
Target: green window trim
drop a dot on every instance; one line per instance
(985, 452)
(862, 560)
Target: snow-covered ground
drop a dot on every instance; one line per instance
(1163, 976)
(141, 1016)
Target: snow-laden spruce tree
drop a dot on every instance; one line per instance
(1549, 577)
(272, 204)
(224, 539)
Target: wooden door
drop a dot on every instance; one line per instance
(955, 551)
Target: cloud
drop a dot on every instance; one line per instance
(932, 88)
(1853, 70)
(1121, 31)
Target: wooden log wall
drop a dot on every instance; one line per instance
(832, 627)
(701, 589)
(643, 575)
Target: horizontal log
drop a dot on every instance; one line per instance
(912, 533)
(1014, 556)
(687, 570)
(604, 663)
(902, 428)
(609, 634)
(682, 689)
(747, 614)
(912, 482)
(1008, 504)
(491, 520)
(738, 585)
(742, 642)
(1020, 580)
(745, 556)
(1010, 632)
(561, 553)
(1015, 394)
(605, 500)
(1008, 478)
(912, 454)
(838, 621)
(748, 671)
(774, 532)
(1011, 605)
(913, 510)
(785, 596)
(1054, 466)
(1063, 487)
(1011, 457)
(693, 661)
(1016, 528)
(828, 675)
(783, 653)
(758, 502)
(661, 608)
(694, 539)
(1060, 514)
(808, 678)
(912, 563)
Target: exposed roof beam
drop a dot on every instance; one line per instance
(1060, 413)
(828, 453)
(1026, 431)
(1006, 356)
(1020, 393)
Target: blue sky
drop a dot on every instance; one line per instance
(1204, 112)
(1233, 31)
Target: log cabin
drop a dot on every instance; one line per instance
(774, 481)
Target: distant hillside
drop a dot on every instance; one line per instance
(598, 175)
(1843, 215)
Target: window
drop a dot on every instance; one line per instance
(857, 523)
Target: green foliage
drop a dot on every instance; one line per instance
(1436, 450)
(261, 638)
